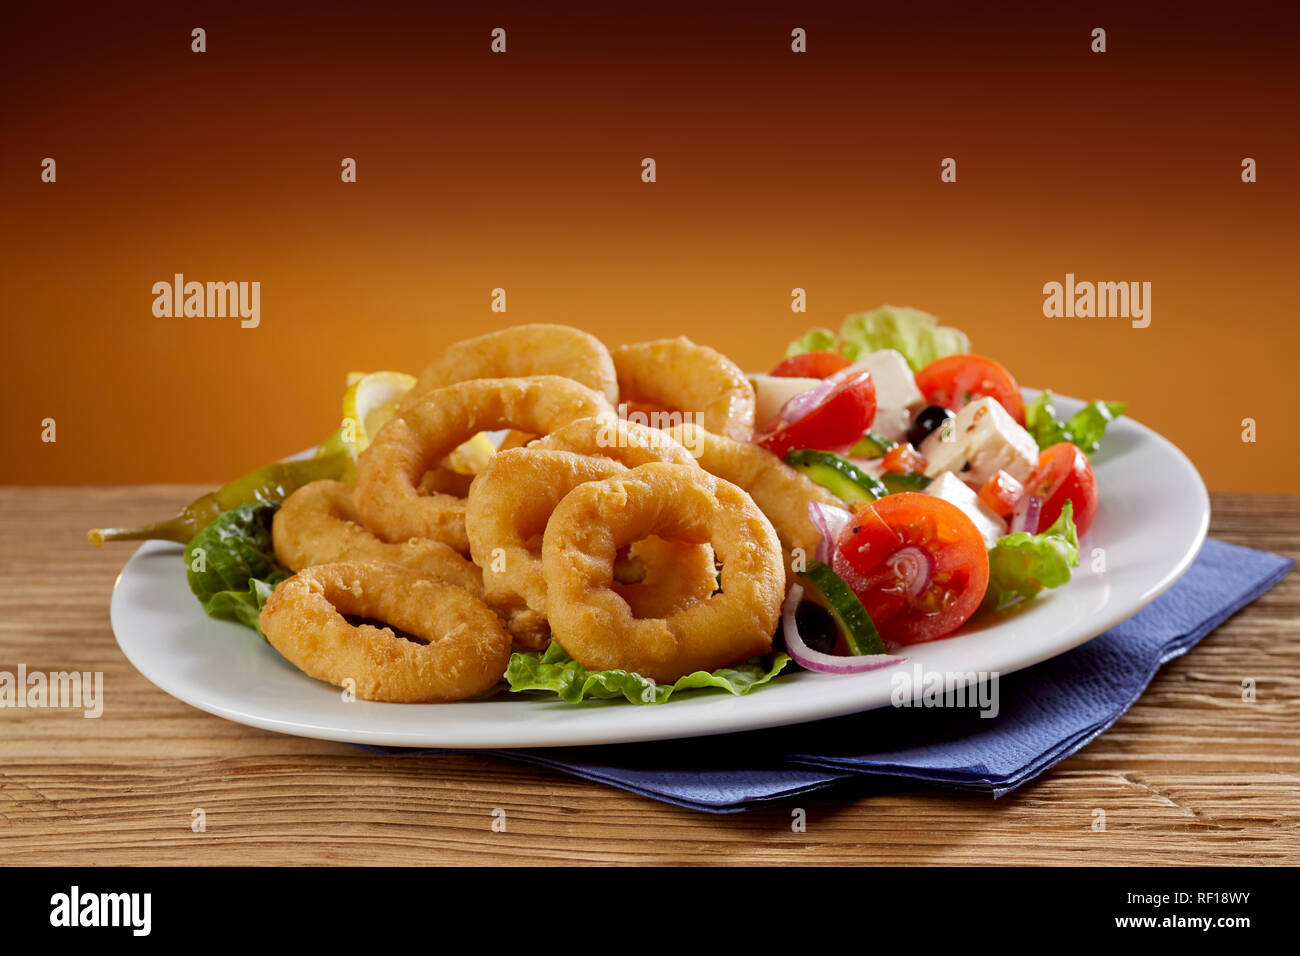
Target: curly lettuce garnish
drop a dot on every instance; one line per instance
(555, 671)
(1023, 564)
(1084, 428)
(230, 565)
(916, 334)
(814, 340)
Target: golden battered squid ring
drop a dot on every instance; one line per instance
(598, 518)
(507, 512)
(319, 524)
(520, 352)
(628, 443)
(390, 470)
(439, 643)
(443, 481)
(679, 376)
(780, 491)
(675, 575)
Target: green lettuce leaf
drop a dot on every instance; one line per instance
(1089, 424)
(1022, 564)
(815, 340)
(230, 565)
(1041, 421)
(244, 607)
(918, 335)
(1084, 428)
(554, 670)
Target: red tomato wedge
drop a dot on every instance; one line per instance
(903, 458)
(1002, 493)
(833, 423)
(1063, 474)
(957, 380)
(917, 563)
(821, 364)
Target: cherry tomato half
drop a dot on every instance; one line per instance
(917, 563)
(1063, 474)
(822, 364)
(835, 423)
(958, 380)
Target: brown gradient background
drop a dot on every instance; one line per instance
(523, 171)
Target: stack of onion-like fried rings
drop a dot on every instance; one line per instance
(596, 519)
(319, 524)
(414, 441)
(510, 505)
(651, 550)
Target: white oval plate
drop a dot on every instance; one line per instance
(1153, 517)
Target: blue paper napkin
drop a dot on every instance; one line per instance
(1046, 713)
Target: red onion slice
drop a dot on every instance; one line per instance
(914, 566)
(830, 521)
(812, 660)
(803, 403)
(800, 405)
(1024, 517)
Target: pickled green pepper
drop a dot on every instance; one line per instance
(273, 482)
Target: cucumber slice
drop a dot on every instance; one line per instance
(824, 587)
(838, 475)
(908, 481)
(872, 445)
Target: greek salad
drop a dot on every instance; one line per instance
(960, 498)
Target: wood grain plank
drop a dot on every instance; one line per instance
(1193, 774)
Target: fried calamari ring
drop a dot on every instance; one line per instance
(506, 513)
(390, 470)
(678, 375)
(319, 524)
(444, 481)
(674, 575)
(779, 490)
(596, 519)
(520, 352)
(626, 442)
(439, 643)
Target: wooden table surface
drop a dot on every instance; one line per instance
(1191, 775)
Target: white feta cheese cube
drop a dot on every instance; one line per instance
(955, 491)
(981, 440)
(897, 397)
(773, 391)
